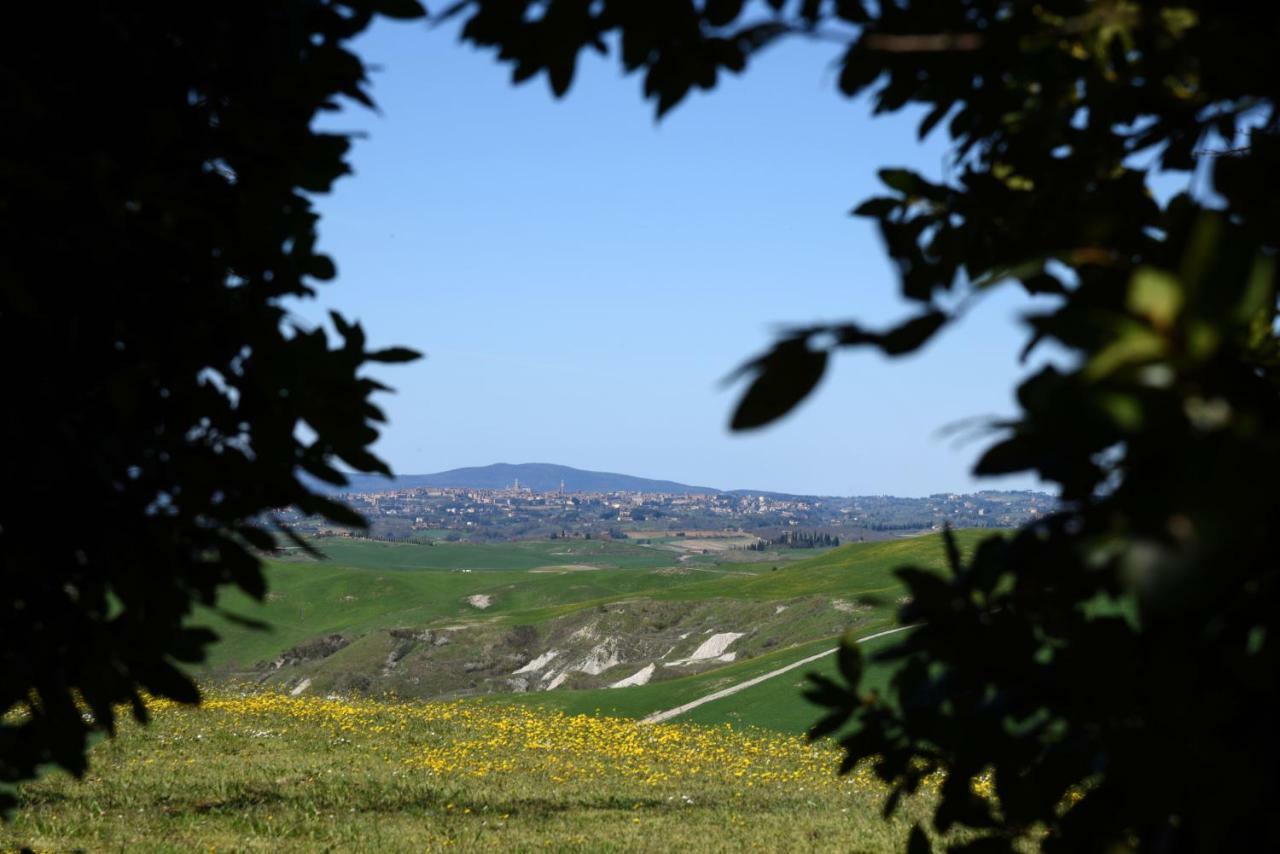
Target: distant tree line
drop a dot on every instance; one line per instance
(569, 535)
(796, 540)
(913, 525)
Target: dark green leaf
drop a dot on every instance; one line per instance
(823, 691)
(849, 659)
(903, 180)
(393, 354)
(954, 561)
(877, 208)
(784, 377)
(918, 842)
(719, 13)
(402, 9)
(829, 723)
(913, 334)
(853, 11)
(1012, 455)
(936, 115)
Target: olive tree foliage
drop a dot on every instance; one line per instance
(1112, 666)
(156, 164)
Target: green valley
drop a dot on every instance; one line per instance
(556, 623)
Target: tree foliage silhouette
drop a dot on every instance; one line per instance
(1114, 665)
(156, 161)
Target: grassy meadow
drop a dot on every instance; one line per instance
(274, 773)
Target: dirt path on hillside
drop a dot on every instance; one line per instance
(659, 717)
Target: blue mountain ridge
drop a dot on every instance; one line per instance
(540, 477)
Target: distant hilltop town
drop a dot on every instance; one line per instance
(519, 512)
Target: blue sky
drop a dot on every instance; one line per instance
(581, 277)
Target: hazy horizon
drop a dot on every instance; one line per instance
(676, 478)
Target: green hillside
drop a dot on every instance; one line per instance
(862, 569)
(365, 585)
(644, 700)
(776, 703)
(779, 703)
(513, 620)
(521, 555)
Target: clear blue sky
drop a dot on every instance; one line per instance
(582, 277)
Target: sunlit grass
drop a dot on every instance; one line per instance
(271, 772)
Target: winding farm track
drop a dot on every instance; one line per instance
(659, 717)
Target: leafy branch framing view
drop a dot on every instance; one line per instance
(1112, 666)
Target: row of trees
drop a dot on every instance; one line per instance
(796, 540)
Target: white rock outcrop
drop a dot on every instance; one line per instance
(600, 658)
(538, 663)
(711, 649)
(714, 646)
(640, 677)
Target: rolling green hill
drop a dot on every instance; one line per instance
(366, 585)
(644, 700)
(516, 619)
(776, 704)
(541, 477)
(858, 569)
(779, 703)
(521, 555)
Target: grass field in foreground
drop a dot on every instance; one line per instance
(268, 772)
